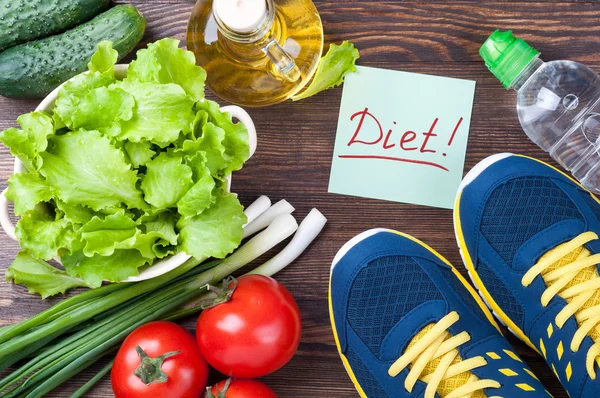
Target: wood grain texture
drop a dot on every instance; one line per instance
(296, 145)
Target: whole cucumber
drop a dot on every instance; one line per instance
(34, 69)
(25, 20)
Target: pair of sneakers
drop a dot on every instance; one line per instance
(407, 324)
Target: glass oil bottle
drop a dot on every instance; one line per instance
(256, 52)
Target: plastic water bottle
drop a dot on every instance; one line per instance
(558, 103)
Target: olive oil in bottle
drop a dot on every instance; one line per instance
(256, 52)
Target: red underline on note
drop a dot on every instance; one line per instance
(393, 159)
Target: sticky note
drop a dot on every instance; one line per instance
(402, 137)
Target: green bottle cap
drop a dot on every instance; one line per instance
(506, 56)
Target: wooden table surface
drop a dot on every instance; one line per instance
(296, 144)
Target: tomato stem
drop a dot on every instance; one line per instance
(221, 295)
(150, 369)
(220, 393)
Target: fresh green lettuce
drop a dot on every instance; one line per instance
(124, 172)
(163, 62)
(96, 269)
(102, 235)
(200, 197)
(85, 168)
(333, 67)
(139, 153)
(167, 179)
(27, 144)
(101, 74)
(217, 231)
(43, 236)
(26, 190)
(40, 277)
(163, 111)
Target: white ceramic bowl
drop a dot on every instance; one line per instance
(169, 263)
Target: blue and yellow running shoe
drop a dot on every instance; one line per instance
(406, 324)
(528, 235)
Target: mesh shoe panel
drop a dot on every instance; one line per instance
(500, 293)
(519, 209)
(464, 294)
(380, 296)
(365, 378)
(591, 202)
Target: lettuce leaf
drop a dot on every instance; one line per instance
(28, 143)
(211, 144)
(333, 67)
(235, 141)
(216, 232)
(104, 235)
(200, 196)
(101, 74)
(160, 238)
(84, 168)
(167, 179)
(104, 59)
(94, 270)
(161, 113)
(139, 153)
(164, 62)
(27, 190)
(163, 226)
(103, 108)
(75, 214)
(40, 277)
(43, 236)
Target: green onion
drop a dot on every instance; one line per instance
(41, 333)
(86, 387)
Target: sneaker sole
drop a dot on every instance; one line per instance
(355, 241)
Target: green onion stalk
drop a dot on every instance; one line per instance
(94, 323)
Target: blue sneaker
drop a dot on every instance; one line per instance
(406, 324)
(528, 235)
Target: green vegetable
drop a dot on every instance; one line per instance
(333, 67)
(70, 336)
(25, 20)
(28, 143)
(92, 382)
(27, 190)
(42, 235)
(164, 63)
(216, 231)
(166, 180)
(39, 277)
(85, 168)
(34, 69)
(123, 173)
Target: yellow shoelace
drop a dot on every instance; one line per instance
(570, 271)
(435, 360)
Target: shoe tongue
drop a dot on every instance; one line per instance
(583, 275)
(447, 385)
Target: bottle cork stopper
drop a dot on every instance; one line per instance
(242, 16)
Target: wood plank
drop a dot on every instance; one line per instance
(296, 144)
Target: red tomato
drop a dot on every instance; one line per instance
(185, 369)
(242, 389)
(253, 334)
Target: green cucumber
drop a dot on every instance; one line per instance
(34, 69)
(25, 20)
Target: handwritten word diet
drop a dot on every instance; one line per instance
(370, 134)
